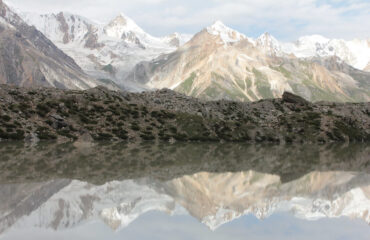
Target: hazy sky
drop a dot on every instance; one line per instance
(159, 226)
(285, 19)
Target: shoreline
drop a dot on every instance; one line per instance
(99, 114)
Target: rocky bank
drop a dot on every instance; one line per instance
(164, 115)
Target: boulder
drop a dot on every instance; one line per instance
(292, 98)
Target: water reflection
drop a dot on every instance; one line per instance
(62, 187)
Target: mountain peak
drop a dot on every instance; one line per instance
(227, 34)
(265, 35)
(314, 38)
(218, 23)
(218, 27)
(120, 19)
(177, 39)
(121, 24)
(269, 44)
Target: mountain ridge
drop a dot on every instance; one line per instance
(30, 59)
(211, 68)
(104, 50)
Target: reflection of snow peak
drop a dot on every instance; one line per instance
(214, 199)
(221, 217)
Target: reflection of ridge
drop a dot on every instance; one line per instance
(224, 197)
(212, 198)
(103, 163)
(19, 200)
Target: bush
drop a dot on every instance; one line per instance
(6, 118)
(147, 136)
(135, 127)
(102, 136)
(121, 133)
(18, 135)
(66, 133)
(42, 109)
(45, 134)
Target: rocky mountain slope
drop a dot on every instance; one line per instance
(219, 63)
(28, 58)
(61, 204)
(101, 114)
(103, 50)
(227, 64)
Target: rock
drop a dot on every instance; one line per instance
(57, 117)
(85, 137)
(32, 138)
(57, 121)
(291, 98)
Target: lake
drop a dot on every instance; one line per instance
(184, 191)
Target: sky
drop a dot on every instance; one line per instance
(159, 226)
(285, 19)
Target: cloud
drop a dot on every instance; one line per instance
(286, 19)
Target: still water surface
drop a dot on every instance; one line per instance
(184, 191)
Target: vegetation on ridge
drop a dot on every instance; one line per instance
(99, 114)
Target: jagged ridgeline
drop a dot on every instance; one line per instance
(216, 63)
(101, 114)
(220, 63)
(28, 58)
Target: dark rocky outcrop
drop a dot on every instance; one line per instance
(292, 98)
(164, 115)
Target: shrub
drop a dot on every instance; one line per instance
(102, 136)
(121, 133)
(6, 118)
(18, 135)
(45, 134)
(135, 127)
(66, 133)
(42, 109)
(147, 136)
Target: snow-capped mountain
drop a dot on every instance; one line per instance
(220, 63)
(355, 53)
(269, 44)
(177, 39)
(212, 198)
(227, 34)
(103, 50)
(122, 51)
(29, 59)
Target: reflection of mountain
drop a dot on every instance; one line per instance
(18, 200)
(212, 198)
(309, 181)
(219, 198)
